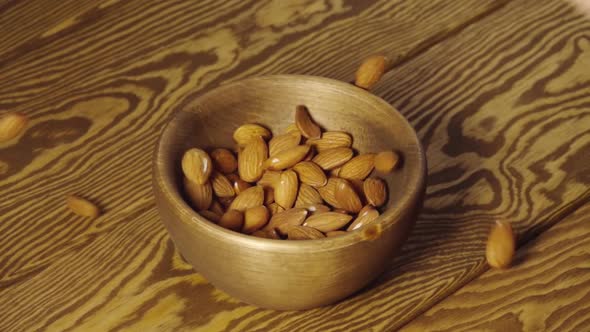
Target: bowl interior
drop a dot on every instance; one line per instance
(208, 122)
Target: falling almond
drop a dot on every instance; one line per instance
(11, 125)
(82, 207)
(501, 245)
(305, 124)
(370, 71)
(386, 161)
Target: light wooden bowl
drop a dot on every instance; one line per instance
(277, 274)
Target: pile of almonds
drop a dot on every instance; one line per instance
(301, 184)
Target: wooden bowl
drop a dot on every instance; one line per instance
(279, 274)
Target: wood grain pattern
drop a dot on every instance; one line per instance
(547, 290)
(501, 106)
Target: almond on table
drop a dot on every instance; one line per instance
(11, 125)
(82, 207)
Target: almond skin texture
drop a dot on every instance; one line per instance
(217, 208)
(305, 124)
(275, 208)
(327, 221)
(283, 220)
(365, 217)
(386, 161)
(283, 142)
(310, 173)
(347, 197)
(200, 195)
(286, 189)
(501, 245)
(210, 215)
(304, 233)
(221, 185)
(197, 165)
(251, 160)
(307, 196)
(332, 139)
(238, 184)
(249, 198)
(371, 71)
(269, 195)
(328, 192)
(255, 218)
(269, 178)
(332, 158)
(224, 161)
(232, 219)
(11, 125)
(375, 191)
(245, 133)
(82, 207)
(292, 129)
(358, 168)
(317, 208)
(287, 158)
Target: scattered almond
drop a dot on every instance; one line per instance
(386, 161)
(501, 245)
(287, 158)
(82, 207)
(221, 185)
(200, 195)
(251, 159)
(245, 133)
(210, 215)
(11, 125)
(310, 173)
(303, 233)
(232, 219)
(224, 161)
(286, 189)
(370, 71)
(347, 197)
(327, 221)
(332, 158)
(307, 196)
(282, 143)
(305, 124)
(331, 140)
(358, 168)
(249, 198)
(375, 191)
(365, 217)
(255, 218)
(196, 165)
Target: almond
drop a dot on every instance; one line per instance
(335, 233)
(217, 208)
(335, 172)
(249, 198)
(224, 161)
(238, 184)
(269, 195)
(357, 185)
(317, 208)
(292, 129)
(347, 197)
(327, 221)
(226, 201)
(365, 217)
(221, 185)
(303, 233)
(251, 160)
(386, 161)
(358, 168)
(232, 219)
(328, 192)
(199, 195)
(287, 158)
(275, 208)
(332, 158)
(310, 154)
(501, 245)
(267, 234)
(283, 220)
(210, 215)
(305, 124)
(196, 165)
(255, 218)
(269, 178)
(307, 196)
(286, 189)
(370, 71)
(341, 211)
(245, 133)
(375, 191)
(82, 207)
(282, 143)
(310, 173)
(331, 140)
(11, 125)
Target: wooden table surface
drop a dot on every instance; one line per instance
(498, 91)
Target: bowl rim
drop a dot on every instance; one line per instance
(173, 197)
